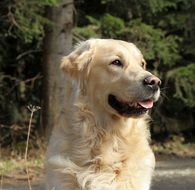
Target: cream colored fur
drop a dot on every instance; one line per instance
(93, 147)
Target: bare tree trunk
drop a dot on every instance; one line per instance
(58, 42)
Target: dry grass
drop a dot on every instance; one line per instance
(15, 168)
(32, 109)
(175, 145)
(21, 168)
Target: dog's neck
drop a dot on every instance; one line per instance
(102, 119)
(96, 129)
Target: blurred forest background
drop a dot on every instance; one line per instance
(30, 52)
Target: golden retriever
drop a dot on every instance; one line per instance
(103, 141)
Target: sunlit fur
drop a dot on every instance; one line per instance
(93, 147)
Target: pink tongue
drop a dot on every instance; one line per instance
(146, 104)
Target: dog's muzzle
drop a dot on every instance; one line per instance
(125, 108)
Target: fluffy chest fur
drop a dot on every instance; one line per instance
(98, 157)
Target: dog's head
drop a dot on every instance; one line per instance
(112, 74)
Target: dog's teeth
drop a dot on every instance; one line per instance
(130, 104)
(118, 99)
(136, 105)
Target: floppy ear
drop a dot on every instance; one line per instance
(76, 64)
(77, 61)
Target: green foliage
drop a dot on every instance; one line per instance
(48, 2)
(26, 20)
(153, 42)
(174, 22)
(89, 31)
(108, 26)
(21, 38)
(157, 6)
(184, 82)
(86, 32)
(111, 26)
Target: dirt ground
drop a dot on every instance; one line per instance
(170, 174)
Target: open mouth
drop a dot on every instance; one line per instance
(128, 109)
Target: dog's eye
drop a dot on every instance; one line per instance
(117, 63)
(143, 64)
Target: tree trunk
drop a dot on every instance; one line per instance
(58, 42)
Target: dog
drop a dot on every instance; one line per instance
(102, 142)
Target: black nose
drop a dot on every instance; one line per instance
(152, 82)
